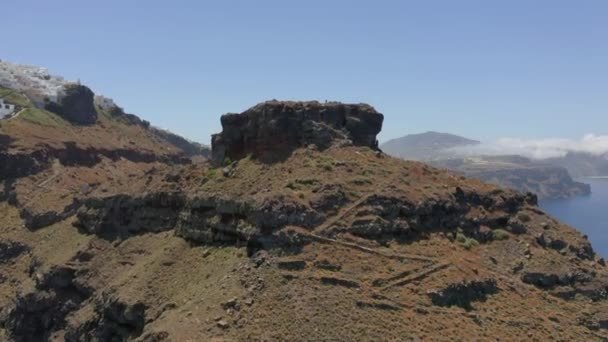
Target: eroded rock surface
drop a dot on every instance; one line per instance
(275, 127)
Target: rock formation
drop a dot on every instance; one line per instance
(276, 127)
(76, 104)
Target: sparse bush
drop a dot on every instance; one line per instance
(361, 181)
(298, 183)
(500, 234)
(227, 161)
(460, 237)
(368, 172)
(524, 217)
(307, 181)
(465, 241)
(327, 167)
(470, 243)
(211, 173)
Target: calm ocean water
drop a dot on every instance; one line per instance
(588, 214)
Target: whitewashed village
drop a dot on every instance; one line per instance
(37, 84)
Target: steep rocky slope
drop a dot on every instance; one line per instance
(334, 240)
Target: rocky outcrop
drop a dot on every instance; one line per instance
(273, 128)
(200, 219)
(122, 215)
(386, 216)
(35, 315)
(76, 105)
(215, 219)
(16, 165)
(5, 142)
(114, 320)
(463, 293)
(36, 220)
(10, 250)
(550, 279)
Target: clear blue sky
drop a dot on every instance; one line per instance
(483, 69)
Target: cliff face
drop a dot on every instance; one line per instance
(519, 173)
(75, 105)
(547, 182)
(336, 241)
(547, 179)
(274, 128)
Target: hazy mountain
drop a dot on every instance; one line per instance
(425, 146)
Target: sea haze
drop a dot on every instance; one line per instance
(586, 213)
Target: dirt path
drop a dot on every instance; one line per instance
(16, 115)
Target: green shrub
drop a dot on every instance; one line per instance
(524, 217)
(470, 243)
(298, 183)
(500, 234)
(211, 173)
(460, 237)
(465, 241)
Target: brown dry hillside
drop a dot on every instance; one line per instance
(300, 230)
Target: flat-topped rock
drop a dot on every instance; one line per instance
(274, 128)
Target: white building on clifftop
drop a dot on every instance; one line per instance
(6, 109)
(35, 82)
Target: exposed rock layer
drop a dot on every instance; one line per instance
(276, 127)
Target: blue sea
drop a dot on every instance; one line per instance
(588, 214)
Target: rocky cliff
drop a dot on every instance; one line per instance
(333, 241)
(274, 128)
(520, 173)
(75, 104)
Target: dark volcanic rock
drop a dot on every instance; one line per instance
(462, 294)
(5, 142)
(549, 280)
(76, 105)
(35, 315)
(200, 219)
(123, 215)
(273, 128)
(129, 119)
(114, 320)
(11, 249)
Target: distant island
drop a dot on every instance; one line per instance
(548, 179)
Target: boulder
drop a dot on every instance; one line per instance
(273, 128)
